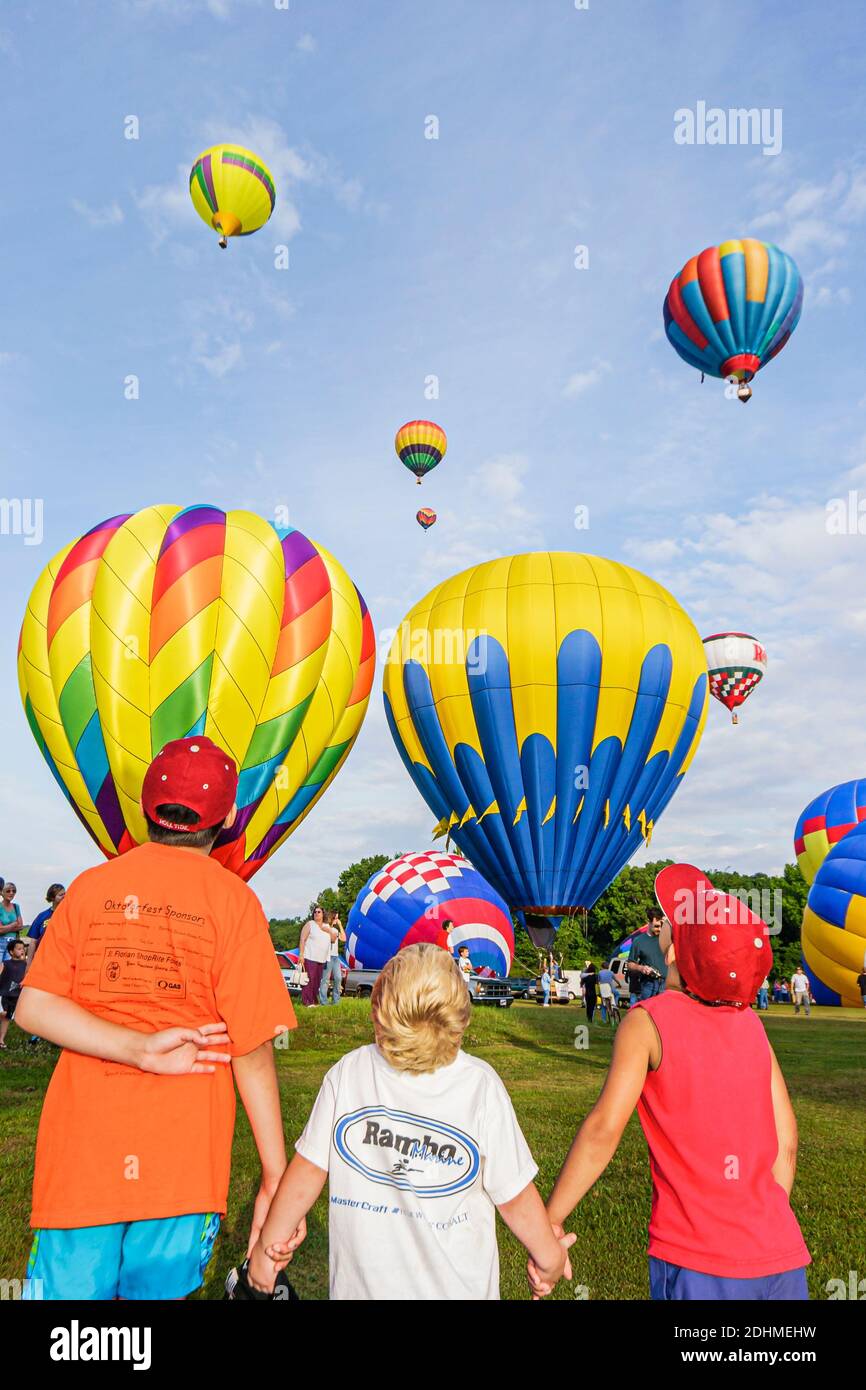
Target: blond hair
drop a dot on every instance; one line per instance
(421, 1009)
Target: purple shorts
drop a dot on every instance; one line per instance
(669, 1282)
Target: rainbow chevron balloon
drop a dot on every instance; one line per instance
(177, 621)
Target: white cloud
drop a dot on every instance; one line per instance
(109, 216)
(306, 44)
(223, 360)
(584, 381)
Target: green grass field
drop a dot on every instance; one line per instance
(552, 1085)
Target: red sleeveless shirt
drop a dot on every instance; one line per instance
(707, 1114)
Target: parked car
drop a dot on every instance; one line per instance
(521, 986)
(559, 991)
(360, 983)
(290, 972)
(288, 963)
(491, 989)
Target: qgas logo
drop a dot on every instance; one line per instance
(423, 1156)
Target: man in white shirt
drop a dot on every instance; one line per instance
(800, 991)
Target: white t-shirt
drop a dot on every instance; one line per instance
(416, 1166)
(318, 944)
(800, 982)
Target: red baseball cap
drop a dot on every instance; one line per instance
(722, 948)
(191, 772)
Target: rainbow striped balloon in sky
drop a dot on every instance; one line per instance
(733, 308)
(177, 621)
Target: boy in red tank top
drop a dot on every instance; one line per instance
(713, 1106)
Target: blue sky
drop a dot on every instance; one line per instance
(454, 257)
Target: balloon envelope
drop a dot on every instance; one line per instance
(426, 518)
(232, 190)
(737, 663)
(825, 821)
(420, 446)
(173, 622)
(834, 922)
(547, 707)
(407, 901)
(733, 308)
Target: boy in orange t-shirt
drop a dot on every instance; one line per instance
(158, 970)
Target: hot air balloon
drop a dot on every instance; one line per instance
(171, 622)
(426, 518)
(733, 308)
(547, 707)
(737, 663)
(232, 190)
(825, 821)
(407, 901)
(420, 446)
(834, 922)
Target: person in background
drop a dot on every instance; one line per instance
(764, 995)
(35, 932)
(11, 924)
(313, 953)
(464, 965)
(545, 987)
(800, 991)
(607, 984)
(443, 936)
(861, 984)
(12, 973)
(333, 970)
(646, 957)
(589, 985)
(635, 981)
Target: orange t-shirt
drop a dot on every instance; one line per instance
(157, 938)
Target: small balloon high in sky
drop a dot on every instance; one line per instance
(420, 446)
(232, 190)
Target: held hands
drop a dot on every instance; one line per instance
(265, 1264)
(182, 1051)
(282, 1251)
(542, 1281)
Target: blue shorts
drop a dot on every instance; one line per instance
(668, 1282)
(165, 1258)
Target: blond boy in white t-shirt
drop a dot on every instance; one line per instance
(420, 1145)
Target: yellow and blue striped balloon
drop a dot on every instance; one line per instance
(834, 922)
(547, 707)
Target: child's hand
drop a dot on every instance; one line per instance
(261, 1272)
(281, 1251)
(181, 1051)
(543, 1279)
